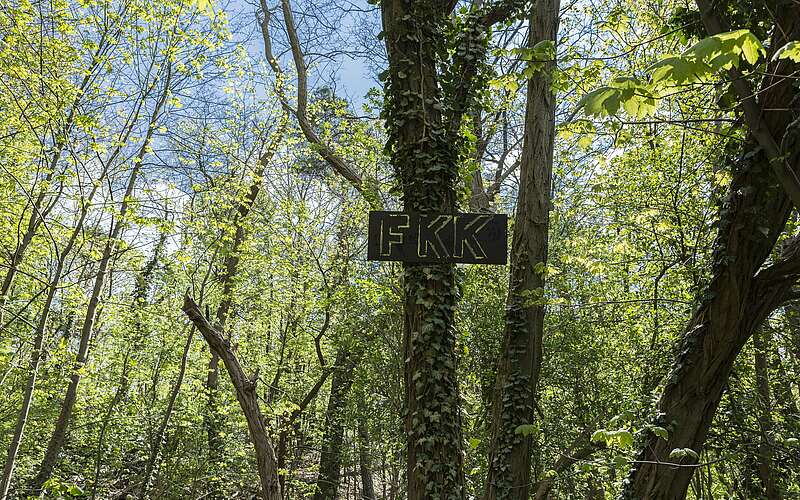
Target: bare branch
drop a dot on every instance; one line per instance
(339, 164)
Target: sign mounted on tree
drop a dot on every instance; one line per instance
(438, 238)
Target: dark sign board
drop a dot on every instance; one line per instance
(436, 238)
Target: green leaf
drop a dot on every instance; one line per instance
(624, 438)
(789, 51)
(751, 47)
(525, 429)
(660, 432)
(679, 453)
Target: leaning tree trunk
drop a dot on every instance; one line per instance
(739, 297)
(509, 474)
(248, 400)
(214, 418)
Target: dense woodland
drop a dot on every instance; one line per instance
(187, 310)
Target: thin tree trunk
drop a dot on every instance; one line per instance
(121, 390)
(364, 461)
(214, 419)
(509, 474)
(153, 459)
(766, 472)
(38, 342)
(143, 283)
(58, 437)
(330, 459)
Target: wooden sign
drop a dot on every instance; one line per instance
(438, 238)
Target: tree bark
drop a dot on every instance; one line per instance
(739, 296)
(766, 472)
(425, 163)
(330, 460)
(509, 474)
(248, 400)
(364, 461)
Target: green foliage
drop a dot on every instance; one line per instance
(698, 64)
(789, 51)
(633, 217)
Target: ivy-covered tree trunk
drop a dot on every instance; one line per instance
(431, 86)
(330, 460)
(426, 167)
(740, 294)
(509, 474)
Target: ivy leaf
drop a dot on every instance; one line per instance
(525, 429)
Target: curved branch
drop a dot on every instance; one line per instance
(339, 164)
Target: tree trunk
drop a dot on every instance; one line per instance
(58, 437)
(739, 296)
(38, 343)
(509, 474)
(248, 400)
(766, 443)
(158, 439)
(364, 462)
(214, 419)
(426, 165)
(330, 459)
